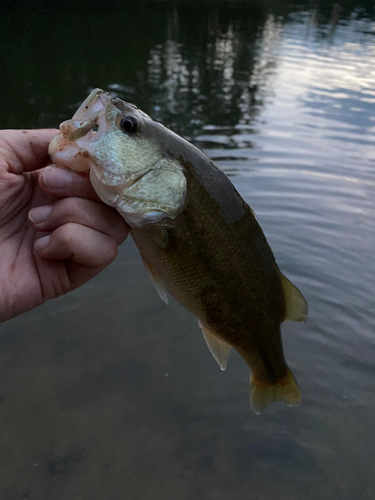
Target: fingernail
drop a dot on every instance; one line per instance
(56, 178)
(40, 214)
(42, 243)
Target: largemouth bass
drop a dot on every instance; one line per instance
(198, 238)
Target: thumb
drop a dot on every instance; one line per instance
(25, 150)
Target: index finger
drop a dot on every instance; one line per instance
(63, 183)
(25, 150)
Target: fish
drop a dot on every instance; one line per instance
(199, 240)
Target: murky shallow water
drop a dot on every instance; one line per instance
(108, 393)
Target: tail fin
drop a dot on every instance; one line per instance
(263, 393)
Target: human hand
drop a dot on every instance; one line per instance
(55, 233)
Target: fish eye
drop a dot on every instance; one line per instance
(128, 124)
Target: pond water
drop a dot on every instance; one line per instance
(106, 393)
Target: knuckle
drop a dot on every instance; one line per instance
(69, 208)
(66, 233)
(62, 213)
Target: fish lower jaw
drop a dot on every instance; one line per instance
(66, 154)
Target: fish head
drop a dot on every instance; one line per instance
(123, 150)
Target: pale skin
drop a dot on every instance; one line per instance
(55, 233)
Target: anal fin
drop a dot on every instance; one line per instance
(295, 304)
(218, 347)
(157, 282)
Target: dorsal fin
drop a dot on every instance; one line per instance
(295, 304)
(218, 347)
(157, 282)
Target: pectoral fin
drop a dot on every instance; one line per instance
(295, 304)
(218, 347)
(158, 284)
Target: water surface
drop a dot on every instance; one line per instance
(108, 393)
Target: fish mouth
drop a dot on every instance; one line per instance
(73, 147)
(65, 150)
(87, 115)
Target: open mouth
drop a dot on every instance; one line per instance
(85, 119)
(64, 149)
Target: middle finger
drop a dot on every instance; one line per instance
(62, 183)
(92, 214)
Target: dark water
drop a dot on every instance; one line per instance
(109, 394)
